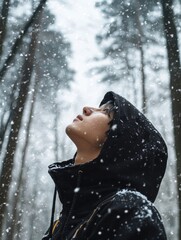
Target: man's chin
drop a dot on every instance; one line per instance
(70, 130)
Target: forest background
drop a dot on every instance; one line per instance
(58, 56)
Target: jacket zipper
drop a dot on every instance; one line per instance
(91, 216)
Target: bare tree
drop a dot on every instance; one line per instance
(175, 86)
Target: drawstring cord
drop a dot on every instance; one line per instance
(49, 235)
(73, 201)
(53, 212)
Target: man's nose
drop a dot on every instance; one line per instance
(87, 111)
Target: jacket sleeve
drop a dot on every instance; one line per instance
(126, 217)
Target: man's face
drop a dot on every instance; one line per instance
(91, 127)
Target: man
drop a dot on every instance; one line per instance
(107, 190)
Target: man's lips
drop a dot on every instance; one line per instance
(79, 117)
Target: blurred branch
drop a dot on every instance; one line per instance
(19, 39)
(4, 126)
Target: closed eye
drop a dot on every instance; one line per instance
(106, 110)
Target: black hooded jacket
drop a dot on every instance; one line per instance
(112, 197)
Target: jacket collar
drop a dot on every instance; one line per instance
(81, 187)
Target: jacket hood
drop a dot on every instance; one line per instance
(133, 157)
(134, 151)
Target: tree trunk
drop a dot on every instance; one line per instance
(140, 46)
(132, 75)
(175, 86)
(15, 215)
(7, 166)
(3, 21)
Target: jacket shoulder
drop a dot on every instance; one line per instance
(127, 201)
(132, 198)
(127, 214)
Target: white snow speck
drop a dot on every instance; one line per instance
(76, 190)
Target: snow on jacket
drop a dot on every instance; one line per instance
(112, 197)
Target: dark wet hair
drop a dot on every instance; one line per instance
(110, 110)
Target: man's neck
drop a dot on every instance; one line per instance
(84, 156)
